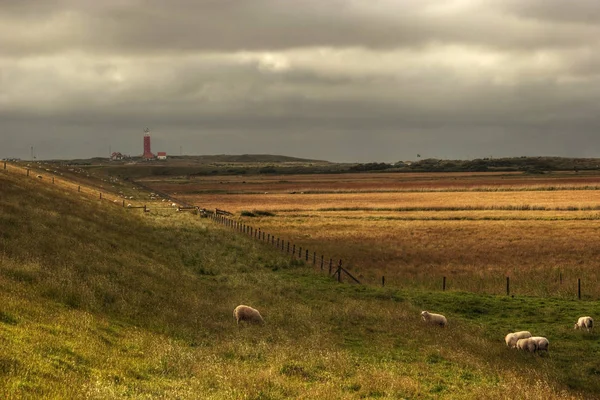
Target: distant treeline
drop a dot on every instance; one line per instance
(532, 165)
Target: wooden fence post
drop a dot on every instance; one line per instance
(27, 171)
(100, 195)
(306, 258)
(382, 281)
(508, 286)
(123, 203)
(444, 284)
(330, 265)
(579, 288)
(314, 257)
(339, 272)
(269, 237)
(79, 188)
(294, 250)
(322, 256)
(277, 242)
(288, 246)
(4, 164)
(145, 208)
(53, 180)
(300, 252)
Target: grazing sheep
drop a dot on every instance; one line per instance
(585, 322)
(435, 319)
(527, 344)
(248, 314)
(541, 342)
(512, 338)
(39, 176)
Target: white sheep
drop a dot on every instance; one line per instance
(541, 342)
(512, 338)
(435, 319)
(248, 314)
(527, 344)
(585, 322)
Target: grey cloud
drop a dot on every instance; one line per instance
(185, 26)
(342, 80)
(558, 11)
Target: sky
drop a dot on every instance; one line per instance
(337, 80)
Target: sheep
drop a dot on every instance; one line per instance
(585, 322)
(512, 338)
(541, 342)
(248, 314)
(527, 344)
(435, 319)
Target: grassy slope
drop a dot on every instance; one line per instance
(97, 302)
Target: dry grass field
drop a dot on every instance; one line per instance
(100, 302)
(414, 229)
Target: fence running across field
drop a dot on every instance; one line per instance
(222, 217)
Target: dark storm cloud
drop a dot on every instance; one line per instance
(156, 26)
(367, 81)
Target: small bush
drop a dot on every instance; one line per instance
(263, 213)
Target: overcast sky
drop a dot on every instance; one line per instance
(340, 80)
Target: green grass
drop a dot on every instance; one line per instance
(100, 302)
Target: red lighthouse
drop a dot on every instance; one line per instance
(147, 151)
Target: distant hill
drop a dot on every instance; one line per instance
(250, 164)
(247, 158)
(525, 164)
(202, 159)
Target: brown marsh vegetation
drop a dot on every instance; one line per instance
(414, 229)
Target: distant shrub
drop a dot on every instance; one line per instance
(370, 167)
(263, 213)
(257, 213)
(267, 170)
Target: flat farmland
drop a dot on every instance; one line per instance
(474, 229)
(361, 182)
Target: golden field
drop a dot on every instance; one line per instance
(103, 302)
(414, 229)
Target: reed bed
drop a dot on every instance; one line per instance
(541, 200)
(543, 239)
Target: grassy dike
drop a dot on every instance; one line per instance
(101, 302)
